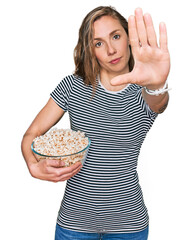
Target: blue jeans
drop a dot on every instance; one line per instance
(64, 234)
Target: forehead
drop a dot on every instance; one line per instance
(105, 25)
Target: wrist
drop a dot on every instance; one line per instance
(157, 91)
(155, 87)
(31, 162)
(33, 169)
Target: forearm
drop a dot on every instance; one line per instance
(157, 103)
(26, 149)
(46, 169)
(46, 118)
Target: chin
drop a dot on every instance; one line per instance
(120, 70)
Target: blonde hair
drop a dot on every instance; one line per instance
(86, 64)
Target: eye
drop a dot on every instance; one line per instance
(117, 36)
(98, 44)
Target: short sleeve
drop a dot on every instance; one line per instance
(145, 107)
(61, 93)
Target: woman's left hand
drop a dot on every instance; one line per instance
(152, 62)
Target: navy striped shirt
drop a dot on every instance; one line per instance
(105, 196)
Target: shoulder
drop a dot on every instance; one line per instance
(72, 79)
(142, 103)
(133, 91)
(74, 85)
(135, 88)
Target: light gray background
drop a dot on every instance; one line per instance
(36, 52)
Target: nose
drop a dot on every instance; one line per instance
(111, 49)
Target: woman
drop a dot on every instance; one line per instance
(115, 100)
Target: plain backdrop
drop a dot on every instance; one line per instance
(37, 39)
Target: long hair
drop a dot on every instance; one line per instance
(86, 64)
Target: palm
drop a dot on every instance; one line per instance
(152, 63)
(151, 66)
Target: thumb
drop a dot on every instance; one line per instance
(123, 79)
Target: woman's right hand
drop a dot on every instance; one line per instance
(53, 170)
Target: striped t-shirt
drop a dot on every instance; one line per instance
(105, 196)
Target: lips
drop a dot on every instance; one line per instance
(114, 61)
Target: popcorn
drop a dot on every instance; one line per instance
(59, 142)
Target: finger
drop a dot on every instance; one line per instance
(133, 36)
(74, 167)
(151, 35)
(56, 163)
(163, 36)
(74, 173)
(123, 79)
(141, 29)
(70, 169)
(58, 167)
(63, 176)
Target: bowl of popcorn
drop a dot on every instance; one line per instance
(64, 144)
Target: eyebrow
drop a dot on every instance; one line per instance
(98, 38)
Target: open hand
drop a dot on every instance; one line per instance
(152, 62)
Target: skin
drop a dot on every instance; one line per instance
(152, 62)
(151, 69)
(49, 170)
(111, 43)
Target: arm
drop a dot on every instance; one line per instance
(50, 170)
(157, 103)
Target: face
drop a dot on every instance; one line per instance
(111, 46)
